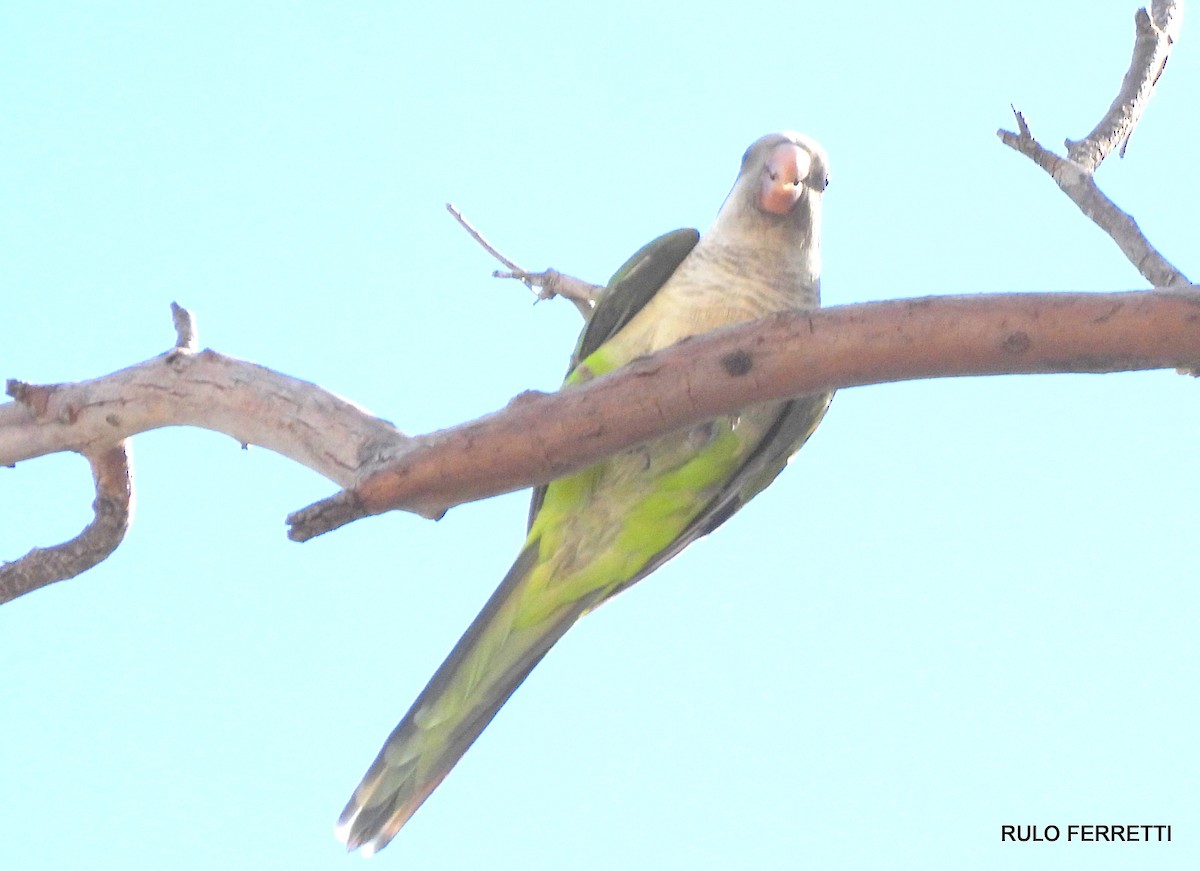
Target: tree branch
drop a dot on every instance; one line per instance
(1157, 31)
(582, 294)
(113, 508)
(253, 404)
(539, 437)
(1156, 34)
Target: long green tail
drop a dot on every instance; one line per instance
(487, 665)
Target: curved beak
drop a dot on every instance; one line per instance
(783, 178)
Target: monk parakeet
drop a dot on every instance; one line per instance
(595, 532)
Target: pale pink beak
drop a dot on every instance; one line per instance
(783, 178)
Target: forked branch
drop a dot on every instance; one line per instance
(1157, 31)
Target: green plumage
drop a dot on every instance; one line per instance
(598, 531)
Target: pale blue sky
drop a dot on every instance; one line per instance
(967, 603)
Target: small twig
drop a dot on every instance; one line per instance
(487, 246)
(113, 507)
(1025, 142)
(1022, 124)
(187, 340)
(545, 285)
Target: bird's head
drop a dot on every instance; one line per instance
(782, 174)
(773, 212)
(778, 190)
(787, 166)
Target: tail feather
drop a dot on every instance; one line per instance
(486, 666)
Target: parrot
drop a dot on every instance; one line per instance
(595, 532)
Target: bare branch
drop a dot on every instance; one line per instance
(327, 515)
(582, 294)
(1157, 31)
(540, 437)
(486, 245)
(182, 387)
(1082, 190)
(112, 507)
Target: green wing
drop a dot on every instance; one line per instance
(797, 420)
(626, 294)
(631, 287)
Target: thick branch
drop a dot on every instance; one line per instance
(542, 436)
(181, 387)
(112, 507)
(253, 404)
